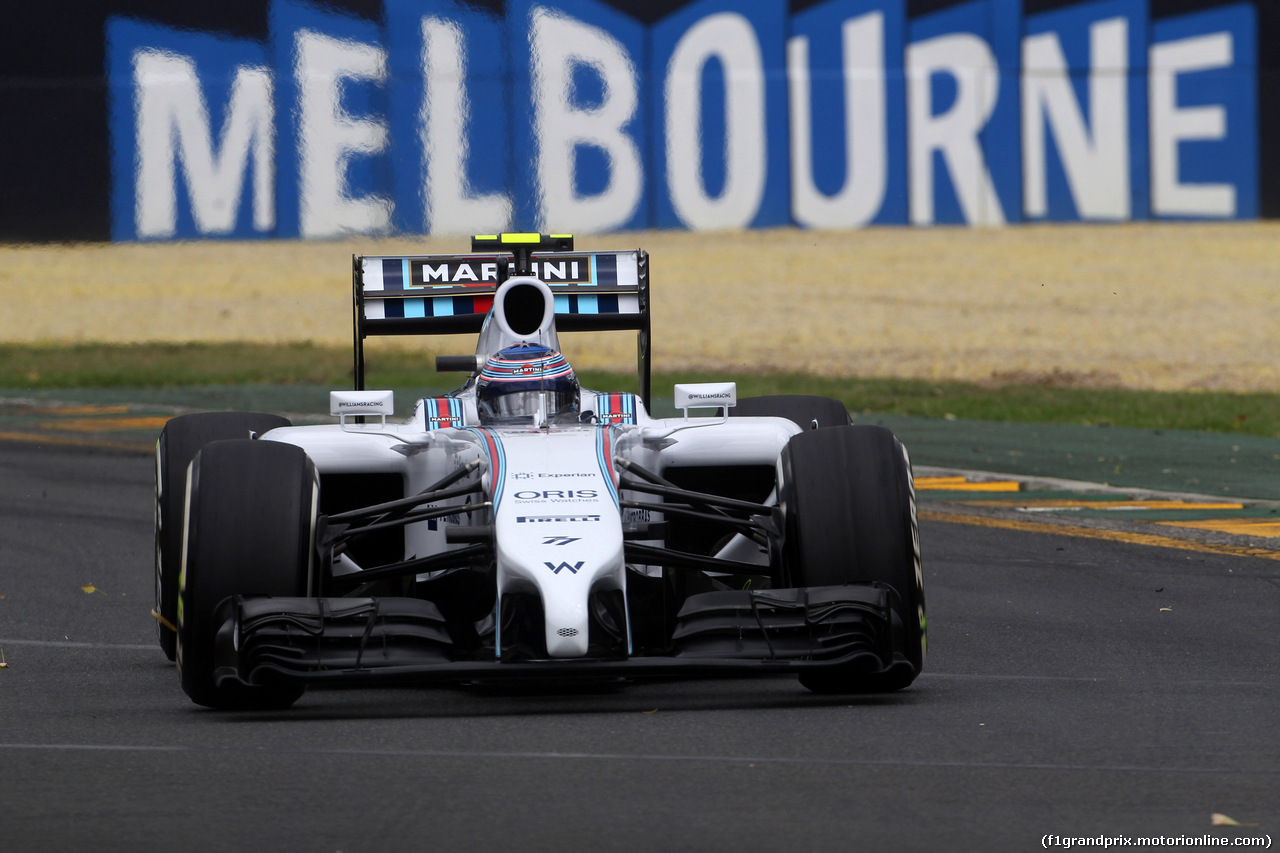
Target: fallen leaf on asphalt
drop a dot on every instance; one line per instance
(1166, 609)
(91, 589)
(3, 665)
(1223, 820)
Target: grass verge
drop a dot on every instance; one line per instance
(159, 365)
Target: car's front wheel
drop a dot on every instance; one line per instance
(179, 441)
(850, 511)
(805, 410)
(249, 529)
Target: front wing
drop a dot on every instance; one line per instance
(405, 640)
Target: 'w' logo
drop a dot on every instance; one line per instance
(572, 567)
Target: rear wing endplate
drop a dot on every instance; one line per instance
(452, 294)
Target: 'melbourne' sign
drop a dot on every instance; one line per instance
(570, 115)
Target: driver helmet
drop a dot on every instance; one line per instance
(526, 383)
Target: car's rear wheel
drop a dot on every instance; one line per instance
(179, 440)
(807, 411)
(851, 518)
(250, 528)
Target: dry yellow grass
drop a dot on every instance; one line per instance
(1161, 306)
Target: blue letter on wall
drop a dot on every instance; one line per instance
(1084, 112)
(579, 114)
(847, 114)
(448, 114)
(720, 116)
(331, 74)
(192, 135)
(962, 114)
(1204, 125)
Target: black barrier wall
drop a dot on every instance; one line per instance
(153, 120)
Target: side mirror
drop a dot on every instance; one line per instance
(344, 404)
(706, 395)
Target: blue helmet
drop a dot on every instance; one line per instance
(526, 382)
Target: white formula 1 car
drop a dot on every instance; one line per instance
(523, 527)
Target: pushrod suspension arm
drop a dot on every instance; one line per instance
(650, 555)
(435, 492)
(697, 498)
(410, 518)
(454, 559)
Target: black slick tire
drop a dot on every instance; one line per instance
(851, 518)
(250, 527)
(179, 441)
(806, 411)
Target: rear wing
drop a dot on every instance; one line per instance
(452, 294)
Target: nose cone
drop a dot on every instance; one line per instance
(565, 574)
(568, 625)
(558, 529)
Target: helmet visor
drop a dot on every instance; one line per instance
(529, 407)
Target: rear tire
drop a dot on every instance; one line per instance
(851, 518)
(802, 409)
(179, 441)
(250, 528)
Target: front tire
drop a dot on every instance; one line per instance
(179, 441)
(250, 528)
(851, 518)
(805, 410)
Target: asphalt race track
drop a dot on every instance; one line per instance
(1074, 687)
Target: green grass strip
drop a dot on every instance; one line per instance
(159, 365)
